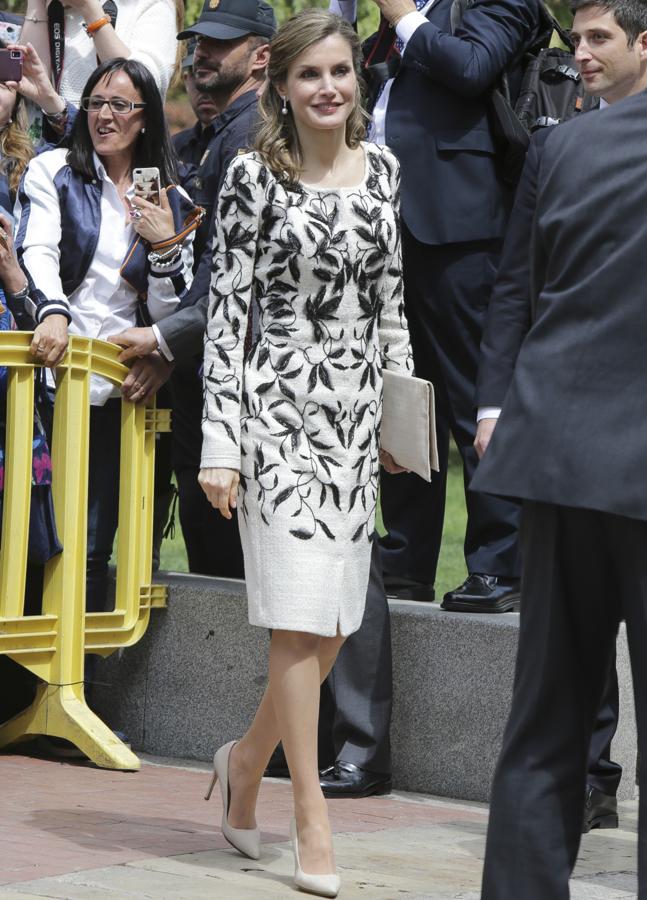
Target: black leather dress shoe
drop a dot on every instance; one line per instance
(277, 767)
(600, 810)
(483, 594)
(347, 780)
(398, 588)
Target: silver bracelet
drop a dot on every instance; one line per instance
(22, 294)
(156, 257)
(34, 19)
(168, 264)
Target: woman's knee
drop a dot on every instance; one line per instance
(329, 648)
(297, 643)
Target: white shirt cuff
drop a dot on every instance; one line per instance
(408, 25)
(347, 9)
(163, 346)
(484, 412)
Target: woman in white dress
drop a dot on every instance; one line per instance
(307, 262)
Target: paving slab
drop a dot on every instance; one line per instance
(74, 832)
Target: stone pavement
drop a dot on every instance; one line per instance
(71, 831)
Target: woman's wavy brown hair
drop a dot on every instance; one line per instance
(15, 146)
(277, 140)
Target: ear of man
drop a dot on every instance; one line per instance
(259, 55)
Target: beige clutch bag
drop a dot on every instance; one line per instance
(408, 429)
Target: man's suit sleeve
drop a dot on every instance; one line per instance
(509, 311)
(490, 37)
(183, 331)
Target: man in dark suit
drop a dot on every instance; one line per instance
(571, 442)
(608, 54)
(434, 116)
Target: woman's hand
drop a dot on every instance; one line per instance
(35, 84)
(153, 223)
(50, 340)
(390, 464)
(221, 488)
(145, 378)
(12, 277)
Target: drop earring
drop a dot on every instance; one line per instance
(284, 108)
(143, 131)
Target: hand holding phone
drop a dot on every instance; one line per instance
(153, 221)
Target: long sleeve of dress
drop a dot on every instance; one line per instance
(393, 329)
(234, 251)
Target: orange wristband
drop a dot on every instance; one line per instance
(93, 27)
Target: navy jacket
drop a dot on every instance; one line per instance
(509, 312)
(437, 119)
(232, 131)
(229, 132)
(573, 430)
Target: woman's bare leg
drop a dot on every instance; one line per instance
(251, 755)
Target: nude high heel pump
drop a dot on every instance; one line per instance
(246, 840)
(321, 885)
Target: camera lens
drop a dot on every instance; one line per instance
(16, 54)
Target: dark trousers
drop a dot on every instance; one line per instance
(447, 289)
(583, 572)
(356, 698)
(212, 542)
(603, 773)
(103, 499)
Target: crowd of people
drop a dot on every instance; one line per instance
(302, 240)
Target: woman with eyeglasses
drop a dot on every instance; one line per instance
(100, 258)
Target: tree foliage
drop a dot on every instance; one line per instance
(368, 15)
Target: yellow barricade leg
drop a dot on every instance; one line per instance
(53, 645)
(63, 712)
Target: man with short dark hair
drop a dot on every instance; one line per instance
(191, 143)
(610, 58)
(573, 449)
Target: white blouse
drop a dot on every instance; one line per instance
(103, 304)
(147, 28)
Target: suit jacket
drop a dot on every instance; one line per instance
(437, 119)
(573, 430)
(509, 313)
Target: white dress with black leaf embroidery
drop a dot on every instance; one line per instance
(299, 414)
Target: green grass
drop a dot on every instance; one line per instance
(451, 567)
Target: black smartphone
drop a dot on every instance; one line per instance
(10, 65)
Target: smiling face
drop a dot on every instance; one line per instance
(321, 85)
(610, 67)
(113, 134)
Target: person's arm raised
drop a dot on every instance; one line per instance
(35, 31)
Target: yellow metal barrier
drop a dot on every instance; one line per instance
(53, 645)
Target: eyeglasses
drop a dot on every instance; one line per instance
(118, 105)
